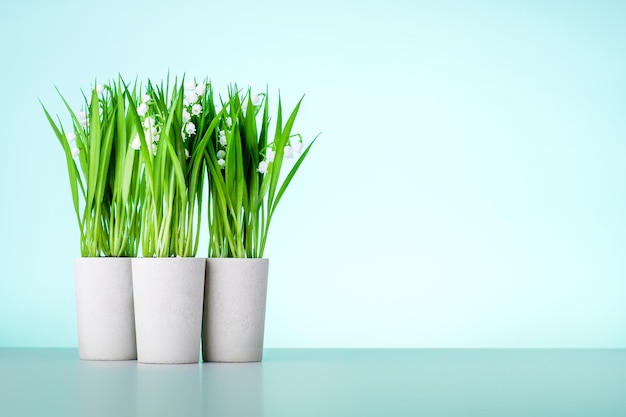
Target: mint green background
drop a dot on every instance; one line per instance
(467, 191)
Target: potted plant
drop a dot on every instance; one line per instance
(106, 196)
(244, 166)
(173, 123)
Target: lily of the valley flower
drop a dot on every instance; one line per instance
(200, 89)
(99, 89)
(229, 122)
(196, 109)
(152, 147)
(187, 153)
(221, 162)
(191, 97)
(146, 98)
(221, 154)
(186, 116)
(190, 85)
(71, 137)
(142, 109)
(190, 128)
(298, 147)
(263, 165)
(270, 155)
(75, 152)
(222, 138)
(82, 118)
(288, 151)
(136, 143)
(148, 123)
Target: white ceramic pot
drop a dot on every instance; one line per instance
(168, 308)
(234, 309)
(104, 309)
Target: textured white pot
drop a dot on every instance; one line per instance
(234, 309)
(168, 308)
(104, 309)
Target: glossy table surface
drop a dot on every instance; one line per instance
(322, 382)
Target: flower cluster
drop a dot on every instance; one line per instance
(151, 129)
(83, 120)
(288, 152)
(192, 109)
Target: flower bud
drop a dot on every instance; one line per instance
(263, 165)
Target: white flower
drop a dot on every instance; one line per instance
(221, 162)
(222, 133)
(288, 151)
(263, 165)
(83, 122)
(244, 104)
(223, 141)
(146, 98)
(186, 116)
(75, 152)
(190, 128)
(298, 147)
(196, 109)
(221, 154)
(187, 154)
(82, 115)
(200, 89)
(153, 148)
(229, 122)
(136, 143)
(99, 88)
(142, 109)
(270, 155)
(151, 135)
(148, 123)
(190, 85)
(191, 97)
(255, 99)
(71, 137)
(184, 135)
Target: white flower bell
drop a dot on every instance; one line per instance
(223, 141)
(191, 97)
(136, 143)
(190, 86)
(196, 109)
(75, 152)
(190, 128)
(200, 89)
(298, 147)
(255, 99)
(263, 165)
(142, 109)
(271, 154)
(71, 137)
(221, 154)
(187, 153)
(221, 162)
(146, 98)
(229, 122)
(99, 89)
(186, 116)
(288, 151)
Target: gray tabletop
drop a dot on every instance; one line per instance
(321, 382)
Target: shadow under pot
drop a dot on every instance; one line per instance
(104, 309)
(168, 308)
(233, 323)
